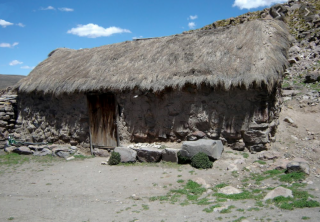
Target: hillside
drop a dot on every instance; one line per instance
(9, 80)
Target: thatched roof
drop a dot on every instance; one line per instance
(247, 54)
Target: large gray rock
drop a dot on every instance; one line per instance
(148, 154)
(213, 148)
(101, 152)
(170, 155)
(295, 166)
(23, 150)
(279, 191)
(127, 155)
(42, 152)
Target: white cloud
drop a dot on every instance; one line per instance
(93, 31)
(8, 45)
(27, 67)
(4, 23)
(66, 9)
(139, 37)
(48, 8)
(20, 24)
(192, 25)
(193, 17)
(15, 62)
(248, 4)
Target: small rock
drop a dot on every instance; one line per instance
(290, 121)
(198, 134)
(232, 167)
(280, 164)
(269, 155)
(218, 209)
(298, 167)
(229, 190)
(202, 182)
(135, 197)
(279, 191)
(70, 158)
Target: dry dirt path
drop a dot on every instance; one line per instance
(85, 190)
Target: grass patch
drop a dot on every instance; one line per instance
(292, 177)
(83, 157)
(305, 218)
(260, 162)
(245, 155)
(211, 208)
(239, 219)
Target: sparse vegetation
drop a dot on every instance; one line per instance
(115, 158)
(201, 161)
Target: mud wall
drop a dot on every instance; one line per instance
(243, 117)
(248, 116)
(62, 119)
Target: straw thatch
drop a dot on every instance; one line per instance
(247, 54)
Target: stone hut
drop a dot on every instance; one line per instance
(223, 82)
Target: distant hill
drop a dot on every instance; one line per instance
(9, 80)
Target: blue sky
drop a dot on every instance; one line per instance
(31, 29)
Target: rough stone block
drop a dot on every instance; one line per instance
(23, 150)
(170, 155)
(148, 154)
(127, 155)
(213, 148)
(101, 152)
(279, 191)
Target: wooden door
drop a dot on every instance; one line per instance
(102, 115)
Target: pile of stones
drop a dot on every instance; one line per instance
(156, 153)
(63, 151)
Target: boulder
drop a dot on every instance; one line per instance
(9, 149)
(239, 145)
(213, 148)
(278, 12)
(312, 77)
(256, 136)
(295, 166)
(229, 190)
(63, 154)
(43, 152)
(127, 155)
(269, 155)
(101, 152)
(279, 191)
(23, 150)
(149, 154)
(170, 155)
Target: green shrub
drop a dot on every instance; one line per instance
(201, 161)
(115, 158)
(182, 159)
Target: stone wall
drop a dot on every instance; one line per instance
(248, 116)
(7, 116)
(62, 119)
(239, 117)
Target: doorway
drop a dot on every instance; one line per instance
(103, 120)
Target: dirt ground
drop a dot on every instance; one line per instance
(84, 190)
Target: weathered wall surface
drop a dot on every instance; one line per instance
(248, 115)
(242, 117)
(61, 119)
(7, 116)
